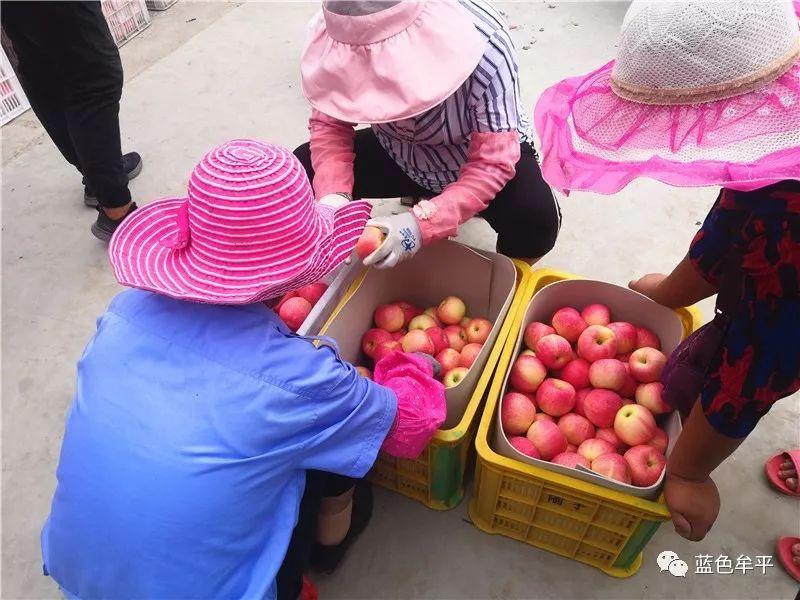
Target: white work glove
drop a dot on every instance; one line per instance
(403, 240)
(334, 200)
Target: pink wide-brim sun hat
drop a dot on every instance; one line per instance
(388, 65)
(248, 231)
(701, 94)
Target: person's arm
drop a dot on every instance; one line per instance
(332, 154)
(690, 493)
(491, 161)
(683, 287)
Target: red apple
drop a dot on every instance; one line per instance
(645, 464)
(572, 448)
(389, 317)
(527, 352)
(594, 447)
(398, 335)
(612, 466)
(364, 372)
(294, 311)
(372, 339)
(548, 439)
(454, 377)
(596, 314)
(438, 338)
(409, 311)
(659, 441)
(576, 428)
(524, 445)
(601, 407)
(417, 340)
(625, 334)
(449, 359)
(469, 354)
(554, 351)
(422, 322)
(568, 323)
(608, 374)
(576, 373)
(517, 412)
(540, 416)
(628, 389)
(647, 339)
(370, 240)
(464, 322)
(624, 357)
(580, 397)
(386, 348)
(570, 459)
(283, 300)
(456, 337)
(534, 332)
(647, 364)
(431, 312)
(649, 395)
(597, 342)
(527, 374)
(478, 331)
(313, 292)
(634, 425)
(607, 434)
(451, 310)
(555, 397)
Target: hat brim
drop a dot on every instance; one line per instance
(397, 78)
(140, 257)
(593, 140)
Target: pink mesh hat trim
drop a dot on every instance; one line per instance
(248, 231)
(593, 140)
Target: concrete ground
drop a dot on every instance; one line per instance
(207, 72)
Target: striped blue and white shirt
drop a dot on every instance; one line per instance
(432, 147)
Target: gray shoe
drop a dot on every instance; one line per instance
(104, 227)
(132, 163)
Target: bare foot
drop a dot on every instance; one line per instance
(788, 472)
(796, 554)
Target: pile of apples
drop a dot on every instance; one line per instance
(586, 391)
(444, 331)
(295, 306)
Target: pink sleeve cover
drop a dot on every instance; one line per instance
(421, 406)
(491, 163)
(332, 154)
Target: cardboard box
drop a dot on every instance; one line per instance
(484, 280)
(625, 305)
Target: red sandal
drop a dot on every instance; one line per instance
(773, 466)
(784, 551)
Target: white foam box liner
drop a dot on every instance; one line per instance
(485, 281)
(338, 280)
(625, 305)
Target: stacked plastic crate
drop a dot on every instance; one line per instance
(12, 99)
(160, 4)
(126, 18)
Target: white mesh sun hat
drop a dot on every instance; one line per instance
(701, 93)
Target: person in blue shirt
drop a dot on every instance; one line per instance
(197, 413)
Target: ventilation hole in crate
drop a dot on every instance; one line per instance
(519, 487)
(552, 540)
(510, 527)
(615, 518)
(514, 509)
(594, 555)
(559, 522)
(603, 537)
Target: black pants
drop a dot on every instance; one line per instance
(525, 214)
(69, 67)
(296, 562)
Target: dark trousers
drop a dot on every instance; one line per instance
(525, 214)
(70, 69)
(296, 562)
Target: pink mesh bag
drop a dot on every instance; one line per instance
(701, 93)
(421, 406)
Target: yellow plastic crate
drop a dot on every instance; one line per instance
(436, 478)
(583, 521)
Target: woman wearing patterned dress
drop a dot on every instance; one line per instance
(725, 113)
(438, 83)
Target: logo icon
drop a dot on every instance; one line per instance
(670, 561)
(409, 241)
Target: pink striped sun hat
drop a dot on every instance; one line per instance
(249, 230)
(701, 93)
